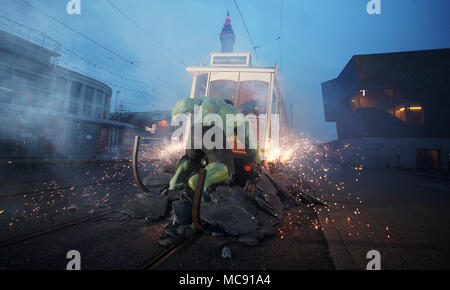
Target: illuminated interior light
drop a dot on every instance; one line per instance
(402, 109)
(415, 108)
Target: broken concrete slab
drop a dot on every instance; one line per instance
(268, 192)
(182, 209)
(172, 194)
(264, 205)
(281, 183)
(154, 207)
(270, 203)
(266, 223)
(233, 219)
(281, 180)
(235, 195)
(266, 184)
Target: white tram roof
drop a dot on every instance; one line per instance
(230, 62)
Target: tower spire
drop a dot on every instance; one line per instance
(227, 36)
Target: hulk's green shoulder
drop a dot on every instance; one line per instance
(185, 105)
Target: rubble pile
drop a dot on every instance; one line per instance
(249, 215)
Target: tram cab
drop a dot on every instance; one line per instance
(254, 90)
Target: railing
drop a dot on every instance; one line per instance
(30, 34)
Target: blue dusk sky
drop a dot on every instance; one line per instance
(318, 38)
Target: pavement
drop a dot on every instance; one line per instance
(404, 216)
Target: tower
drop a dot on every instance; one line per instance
(227, 35)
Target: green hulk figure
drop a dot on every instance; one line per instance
(220, 166)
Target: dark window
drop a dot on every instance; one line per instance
(99, 99)
(223, 89)
(74, 107)
(200, 86)
(106, 107)
(61, 85)
(87, 110)
(75, 90)
(98, 113)
(89, 95)
(253, 97)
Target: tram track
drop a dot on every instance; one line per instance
(157, 260)
(57, 228)
(64, 187)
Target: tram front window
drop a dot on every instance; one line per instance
(223, 89)
(253, 97)
(200, 86)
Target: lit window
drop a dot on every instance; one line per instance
(354, 102)
(389, 92)
(415, 115)
(401, 114)
(368, 99)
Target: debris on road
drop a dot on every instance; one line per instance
(247, 215)
(226, 253)
(72, 207)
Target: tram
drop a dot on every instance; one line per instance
(256, 91)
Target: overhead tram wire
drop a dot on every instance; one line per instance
(245, 25)
(146, 32)
(107, 70)
(68, 50)
(118, 86)
(102, 46)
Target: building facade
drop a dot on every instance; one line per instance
(47, 111)
(392, 109)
